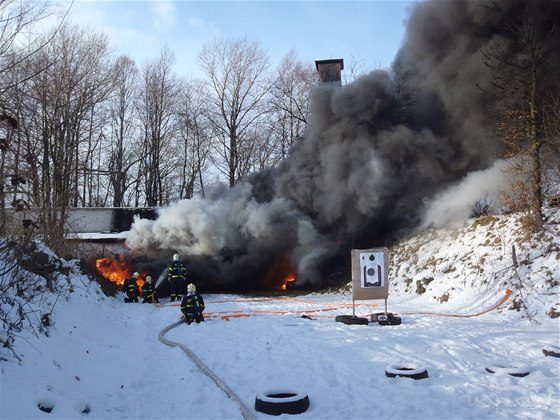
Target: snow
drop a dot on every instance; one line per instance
(102, 358)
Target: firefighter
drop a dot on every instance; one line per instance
(149, 292)
(177, 276)
(130, 287)
(192, 305)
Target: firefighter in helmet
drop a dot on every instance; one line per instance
(149, 292)
(192, 305)
(130, 287)
(177, 276)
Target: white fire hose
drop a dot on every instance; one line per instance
(247, 414)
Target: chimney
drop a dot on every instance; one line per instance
(330, 70)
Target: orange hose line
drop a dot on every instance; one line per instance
(245, 300)
(273, 312)
(260, 300)
(338, 305)
(243, 314)
(508, 293)
(501, 302)
(292, 299)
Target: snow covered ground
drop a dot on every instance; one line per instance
(102, 358)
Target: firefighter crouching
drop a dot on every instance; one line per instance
(130, 287)
(192, 305)
(149, 292)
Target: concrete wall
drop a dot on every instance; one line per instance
(106, 219)
(93, 220)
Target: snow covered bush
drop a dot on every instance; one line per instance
(32, 279)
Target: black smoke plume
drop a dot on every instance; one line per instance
(377, 153)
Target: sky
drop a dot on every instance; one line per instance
(365, 34)
(105, 359)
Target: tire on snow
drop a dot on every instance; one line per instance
(351, 320)
(281, 402)
(406, 371)
(518, 371)
(552, 351)
(375, 317)
(395, 320)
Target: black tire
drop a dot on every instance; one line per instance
(375, 317)
(395, 320)
(552, 351)
(406, 371)
(45, 407)
(281, 402)
(517, 371)
(351, 320)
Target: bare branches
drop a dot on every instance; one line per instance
(290, 102)
(236, 70)
(521, 61)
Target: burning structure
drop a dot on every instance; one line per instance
(377, 154)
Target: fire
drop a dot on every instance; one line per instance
(117, 270)
(288, 281)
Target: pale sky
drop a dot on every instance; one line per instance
(365, 32)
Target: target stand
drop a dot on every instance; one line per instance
(370, 271)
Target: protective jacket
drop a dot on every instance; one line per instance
(130, 287)
(192, 307)
(177, 275)
(149, 293)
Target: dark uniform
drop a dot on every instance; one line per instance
(149, 292)
(192, 306)
(130, 287)
(177, 275)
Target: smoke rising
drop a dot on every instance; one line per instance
(375, 162)
(457, 202)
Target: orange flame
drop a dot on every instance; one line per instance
(288, 282)
(117, 270)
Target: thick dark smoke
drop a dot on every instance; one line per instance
(377, 154)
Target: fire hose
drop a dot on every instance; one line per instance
(226, 315)
(247, 414)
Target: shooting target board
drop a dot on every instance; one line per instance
(370, 272)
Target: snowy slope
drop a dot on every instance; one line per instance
(102, 358)
(451, 266)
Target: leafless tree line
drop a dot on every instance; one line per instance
(95, 130)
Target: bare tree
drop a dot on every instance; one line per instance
(194, 133)
(62, 107)
(158, 112)
(122, 156)
(17, 22)
(236, 70)
(17, 45)
(97, 87)
(521, 74)
(290, 103)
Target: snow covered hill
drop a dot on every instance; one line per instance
(448, 265)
